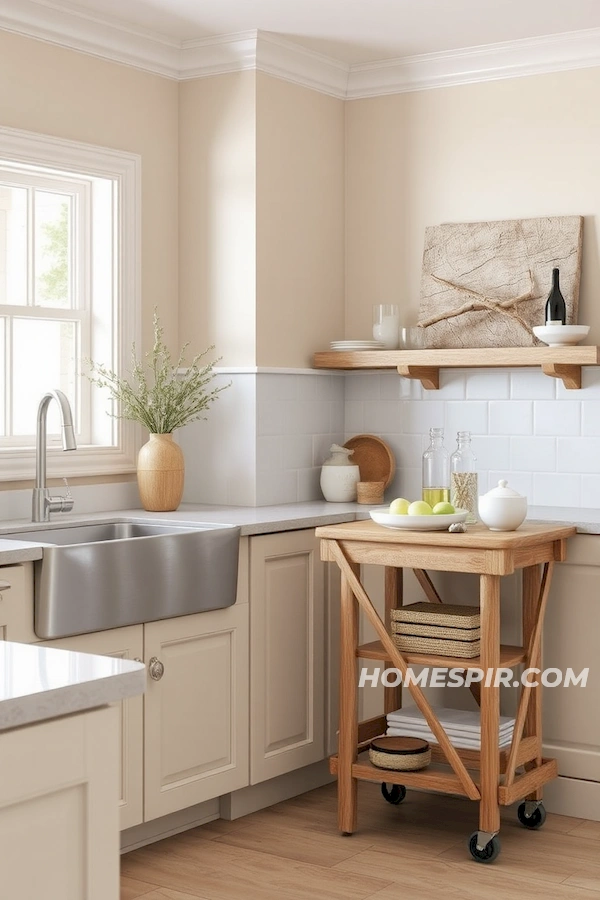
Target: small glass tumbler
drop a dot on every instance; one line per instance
(411, 337)
(386, 322)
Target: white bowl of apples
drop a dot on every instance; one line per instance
(419, 515)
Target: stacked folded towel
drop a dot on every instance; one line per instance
(462, 726)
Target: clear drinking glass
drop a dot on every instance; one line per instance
(411, 337)
(436, 469)
(386, 322)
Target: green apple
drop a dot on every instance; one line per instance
(443, 508)
(420, 508)
(399, 506)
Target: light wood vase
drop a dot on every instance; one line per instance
(160, 473)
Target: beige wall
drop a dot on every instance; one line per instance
(508, 149)
(70, 95)
(300, 222)
(217, 171)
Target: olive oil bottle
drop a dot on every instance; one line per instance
(436, 469)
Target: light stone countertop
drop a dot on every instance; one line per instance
(253, 520)
(39, 683)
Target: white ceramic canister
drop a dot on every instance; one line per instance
(339, 476)
(502, 508)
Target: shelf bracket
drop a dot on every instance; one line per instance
(429, 376)
(569, 374)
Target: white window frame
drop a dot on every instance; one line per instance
(56, 154)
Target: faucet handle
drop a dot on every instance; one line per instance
(68, 495)
(65, 503)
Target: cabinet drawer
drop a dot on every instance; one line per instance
(16, 603)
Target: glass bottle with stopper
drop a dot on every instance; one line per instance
(463, 477)
(436, 469)
(556, 309)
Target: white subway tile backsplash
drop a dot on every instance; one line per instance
(452, 386)
(590, 418)
(511, 417)
(269, 452)
(464, 416)
(533, 454)
(362, 386)
(488, 385)
(277, 429)
(577, 455)
(552, 489)
(531, 384)
(590, 491)
(491, 452)
(553, 418)
(417, 417)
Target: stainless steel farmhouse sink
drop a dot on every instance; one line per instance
(110, 574)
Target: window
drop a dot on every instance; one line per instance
(69, 291)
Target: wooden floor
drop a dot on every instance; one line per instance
(415, 851)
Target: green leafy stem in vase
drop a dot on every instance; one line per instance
(159, 394)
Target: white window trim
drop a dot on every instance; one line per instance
(72, 156)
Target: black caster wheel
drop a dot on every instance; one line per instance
(489, 853)
(396, 795)
(535, 820)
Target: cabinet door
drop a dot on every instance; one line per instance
(124, 643)
(58, 810)
(287, 683)
(16, 603)
(571, 640)
(196, 715)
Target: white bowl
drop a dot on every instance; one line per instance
(561, 335)
(418, 523)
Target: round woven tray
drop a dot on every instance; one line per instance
(374, 458)
(402, 754)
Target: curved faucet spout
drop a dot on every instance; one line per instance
(42, 502)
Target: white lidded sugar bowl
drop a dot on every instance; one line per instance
(339, 475)
(502, 508)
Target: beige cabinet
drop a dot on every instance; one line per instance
(124, 643)
(572, 640)
(16, 603)
(287, 640)
(196, 711)
(58, 812)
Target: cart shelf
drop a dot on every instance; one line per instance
(436, 777)
(509, 657)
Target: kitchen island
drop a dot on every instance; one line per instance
(59, 745)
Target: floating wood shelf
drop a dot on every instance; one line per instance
(559, 362)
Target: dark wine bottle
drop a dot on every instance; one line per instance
(556, 310)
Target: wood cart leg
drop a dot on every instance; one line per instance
(532, 578)
(489, 810)
(392, 696)
(348, 737)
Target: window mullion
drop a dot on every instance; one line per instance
(30, 247)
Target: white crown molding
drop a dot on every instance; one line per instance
(511, 59)
(285, 59)
(92, 34)
(104, 37)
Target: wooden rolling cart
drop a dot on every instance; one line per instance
(492, 776)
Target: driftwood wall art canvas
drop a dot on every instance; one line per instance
(485, 284)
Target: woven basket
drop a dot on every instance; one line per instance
(433, 631)
(414, 644)
(402, 754)
(370, 491)
(450, 615)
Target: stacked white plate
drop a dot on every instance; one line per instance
(357, 345)
(462, 726)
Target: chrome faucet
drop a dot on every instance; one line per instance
(43, 504)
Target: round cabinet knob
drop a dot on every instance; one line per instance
(156, 669)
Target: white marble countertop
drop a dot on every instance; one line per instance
(38, 683)
(253, 520)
